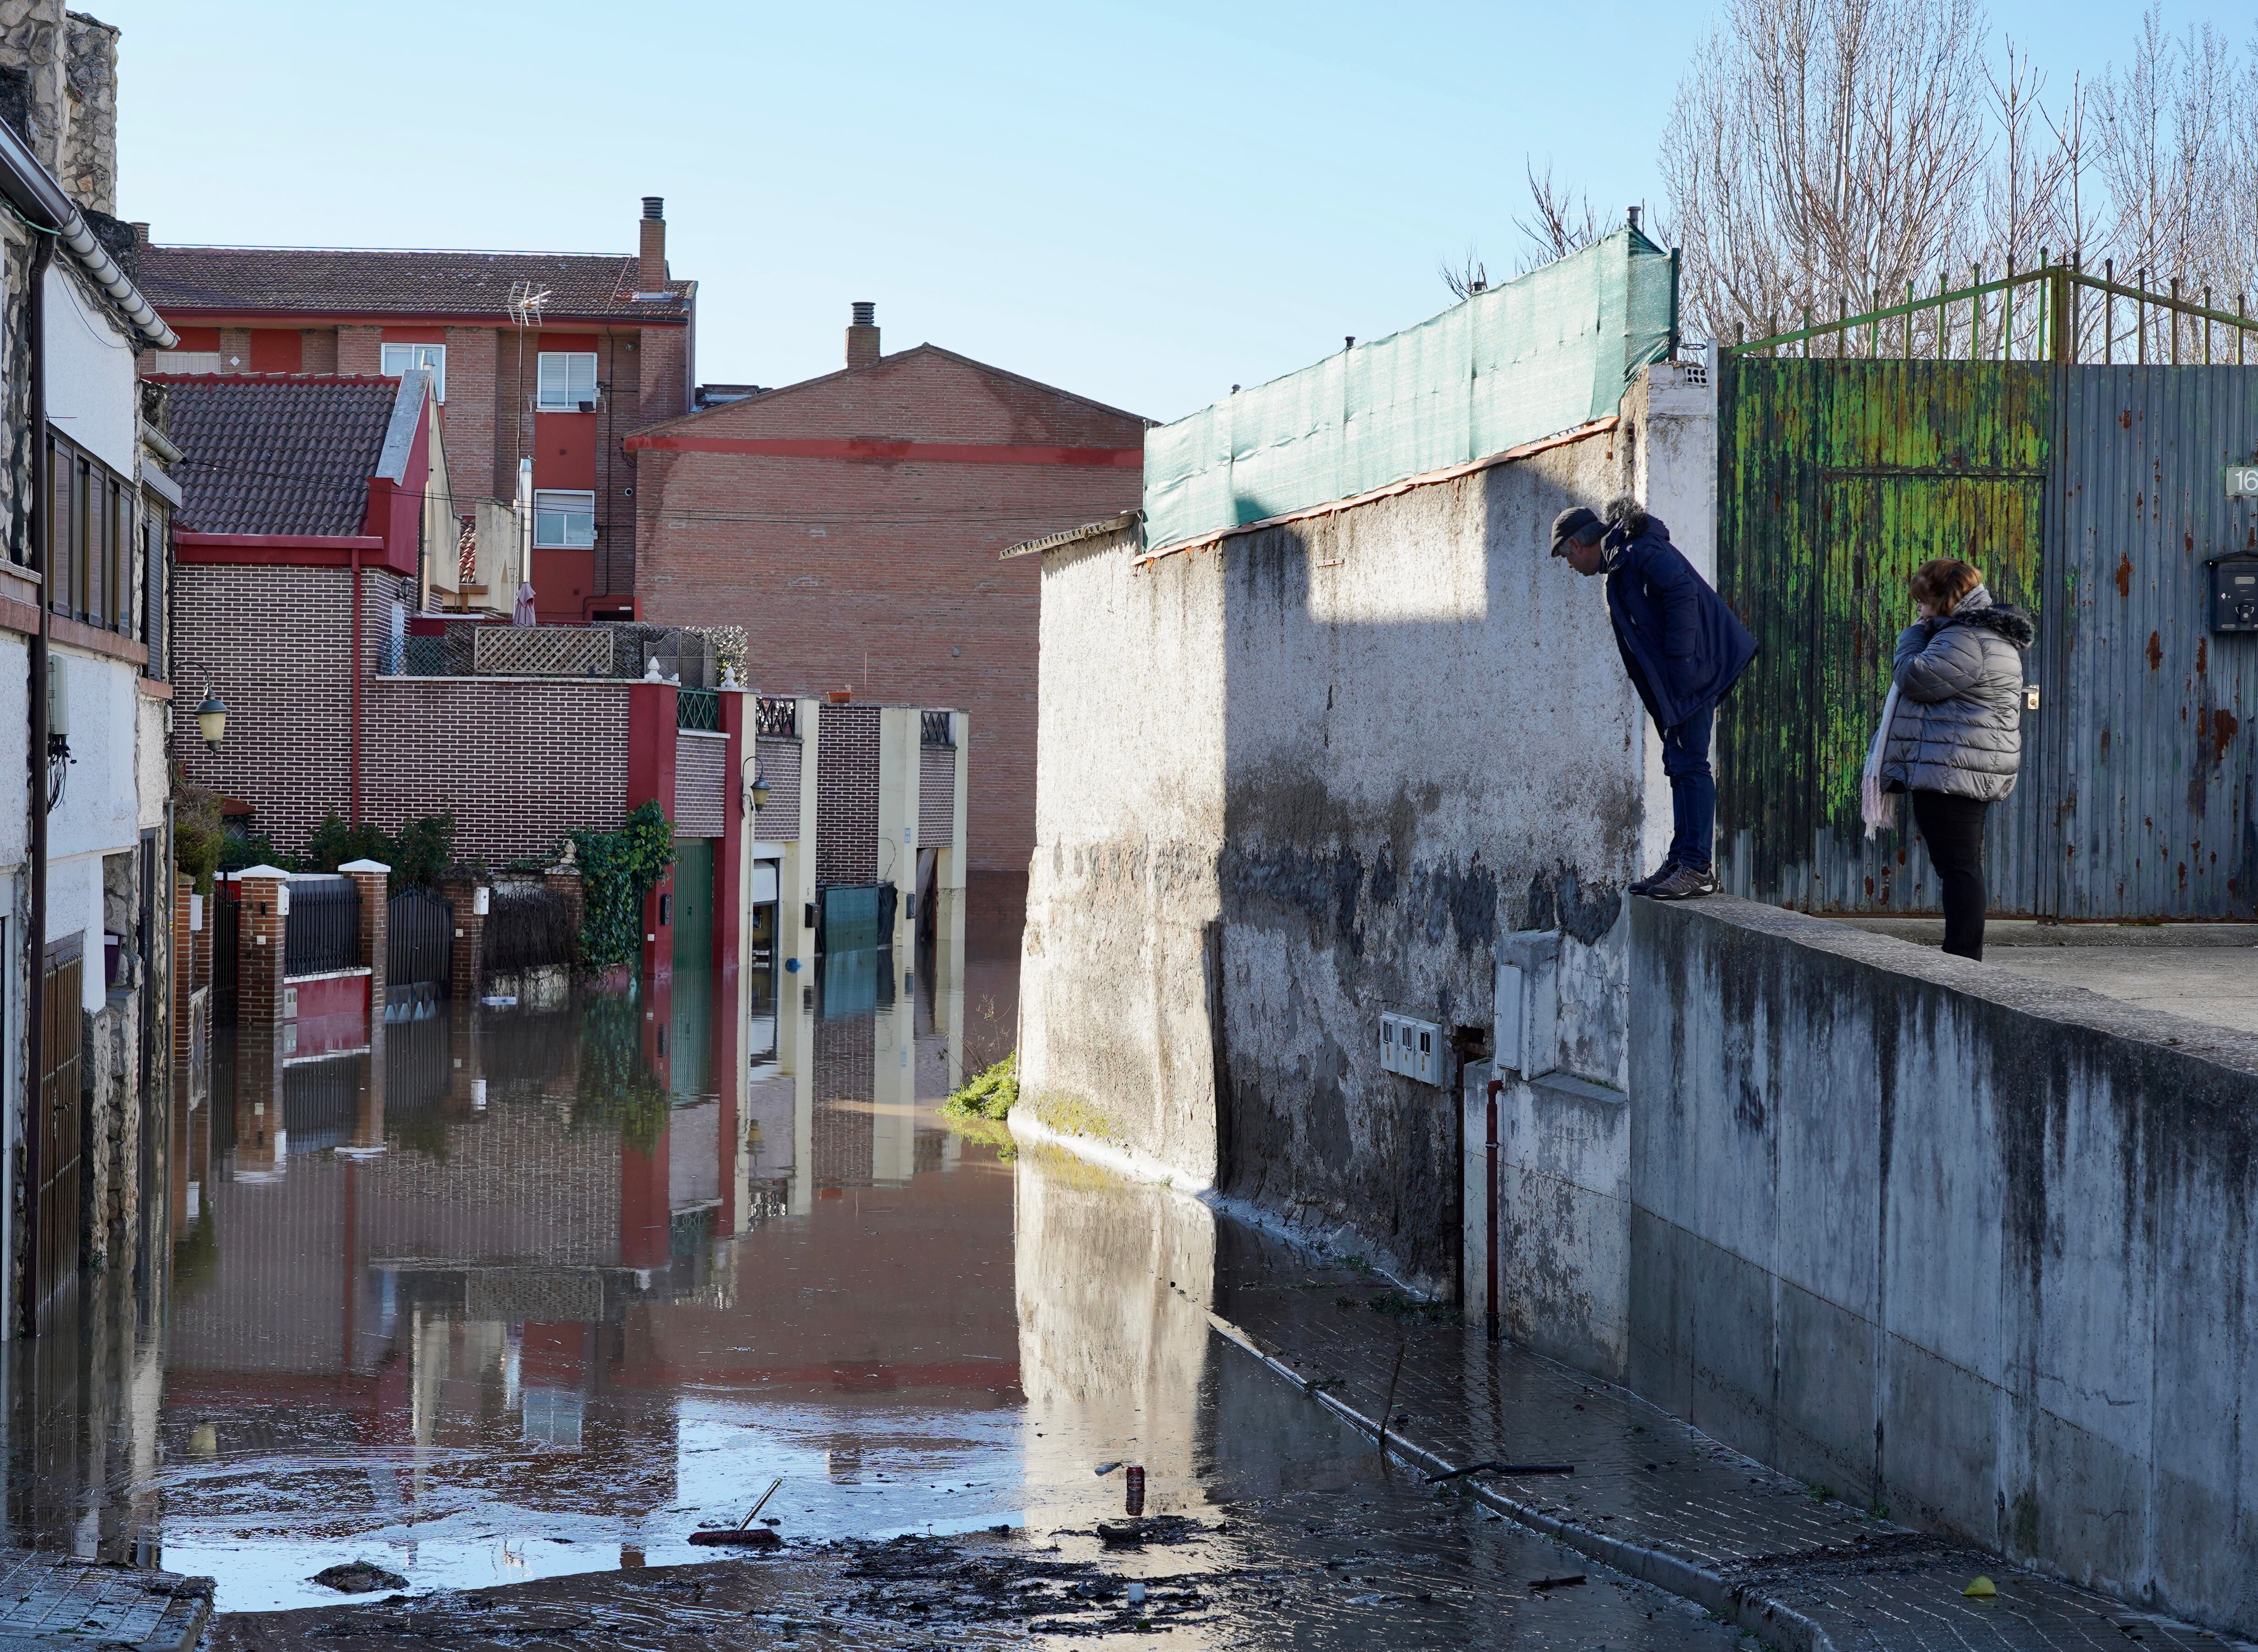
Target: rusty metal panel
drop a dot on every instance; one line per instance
(1838, 478)
(2151, 735)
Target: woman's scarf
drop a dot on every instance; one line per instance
(1877, 807)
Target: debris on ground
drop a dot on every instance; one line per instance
(358, 1578)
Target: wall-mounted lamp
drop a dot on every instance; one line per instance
(756, 785)
(211, 718)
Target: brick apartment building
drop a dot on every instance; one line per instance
(852, 524)
(554, 357)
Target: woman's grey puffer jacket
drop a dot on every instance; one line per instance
(1959, 722)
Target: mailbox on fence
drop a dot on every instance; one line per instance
(2233, 592)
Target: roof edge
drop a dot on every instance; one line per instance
(1098, 529)
(407, 418)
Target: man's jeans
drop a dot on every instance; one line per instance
(1693, 788)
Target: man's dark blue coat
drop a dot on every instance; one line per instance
(1681, 644)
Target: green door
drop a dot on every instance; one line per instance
(693, 903)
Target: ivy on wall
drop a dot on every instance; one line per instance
(617, 871)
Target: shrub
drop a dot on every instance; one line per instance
(989, 1094)
(527, 928)
(417, 856)
(198, 833)
(617, 871)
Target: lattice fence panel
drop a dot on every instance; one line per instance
(543, 651)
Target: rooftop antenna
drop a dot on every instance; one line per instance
(526, 303)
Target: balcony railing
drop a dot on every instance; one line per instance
(698, 710)
(777, 718)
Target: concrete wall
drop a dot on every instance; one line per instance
(1120, 948)
(1968, 1245)
(1313, 773)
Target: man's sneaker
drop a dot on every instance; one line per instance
(1645, 885)
(1684, 883)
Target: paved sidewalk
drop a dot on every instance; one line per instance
(49, 1601)
(1649, 1495)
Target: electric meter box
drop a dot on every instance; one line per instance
(2233, 592)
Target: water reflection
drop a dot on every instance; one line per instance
(518, 1292)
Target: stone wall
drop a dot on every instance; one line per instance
(1311, 773)
(63, 70)
(1971, 1246)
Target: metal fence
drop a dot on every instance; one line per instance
(698, 710)
(936, 728)
(322, 931)
(2094, 491)
(419, 938)
(2058, 311)
(777, 718)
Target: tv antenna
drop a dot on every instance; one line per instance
(526, 303)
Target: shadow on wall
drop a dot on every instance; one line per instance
(1427, 741)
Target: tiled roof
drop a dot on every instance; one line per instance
(277, 453)
(354, 282)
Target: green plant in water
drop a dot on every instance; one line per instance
(617, 871)
(987, 1095)
(618, 1090)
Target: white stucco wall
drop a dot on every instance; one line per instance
(1314, 774)
(91, 396)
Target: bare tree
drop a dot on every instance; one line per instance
(1824, 152)
(1557, 223)
(1465, 278)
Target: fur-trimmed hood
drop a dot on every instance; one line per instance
(2009, 621)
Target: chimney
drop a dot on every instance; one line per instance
(862, 336)
(140, 232)
(650, 271)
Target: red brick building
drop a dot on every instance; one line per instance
(554, 357)
(852, 525)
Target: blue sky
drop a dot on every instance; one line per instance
(1141, 202)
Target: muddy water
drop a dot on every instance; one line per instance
(536, 1291)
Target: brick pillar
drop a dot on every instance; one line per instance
(374, 880)
(357, 349)
(235, 349)
(187, 916)
(566, 882)
(317, 351)
(265, 893)
(466, 957)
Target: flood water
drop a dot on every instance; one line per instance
(541, 1289)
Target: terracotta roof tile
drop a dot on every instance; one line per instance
(324, 281)
(275, 453)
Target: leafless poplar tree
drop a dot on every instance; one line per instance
(1824, 152)
(1557, 223)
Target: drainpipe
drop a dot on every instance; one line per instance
(1489, 1239)
(353, 787)
(35, 997)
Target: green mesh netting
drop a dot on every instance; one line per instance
(1545, 353)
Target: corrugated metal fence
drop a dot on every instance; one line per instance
(2092, 494)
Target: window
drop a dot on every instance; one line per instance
(564, 521)
(90, 535)
(567, 380)
(399, 358)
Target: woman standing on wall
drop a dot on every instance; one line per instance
(1951, 732)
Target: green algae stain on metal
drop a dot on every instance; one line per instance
(1836, 479)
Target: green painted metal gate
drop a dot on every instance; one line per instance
(2091, 494)
(693, 903)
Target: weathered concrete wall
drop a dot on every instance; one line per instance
(1972, 1246)
(1120, 948)
(1310, 774)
